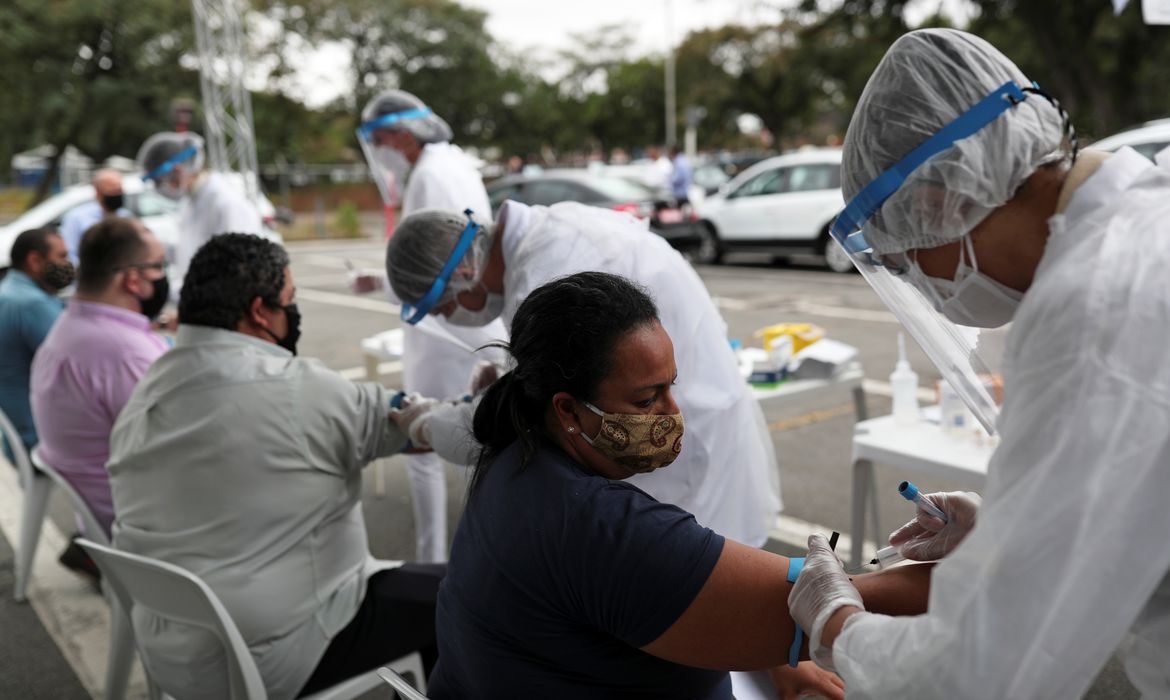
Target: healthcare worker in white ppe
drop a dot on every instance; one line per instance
(404, 141)
(471, 271)
(211, 202)
(966, 194)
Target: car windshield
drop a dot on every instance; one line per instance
(621, 190)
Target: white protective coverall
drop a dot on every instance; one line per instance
(726, 475)
(443, 178)
(1069, 558)
(215, 205)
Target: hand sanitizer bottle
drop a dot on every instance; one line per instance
(904, 384)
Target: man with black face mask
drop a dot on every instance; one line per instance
(108, 201)
(94, 356)
(28, 308)
(241, 462)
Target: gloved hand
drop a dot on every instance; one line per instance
(821, 589)
(806, 680)
(365, 280)
(483, 375)
(414, 419)
(926, 538)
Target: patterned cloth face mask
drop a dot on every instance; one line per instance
(639, 442)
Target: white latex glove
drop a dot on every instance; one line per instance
(365, 280)
(805, 681)
(926, 538)
(414, 419)
(821, 589)
(483, 375)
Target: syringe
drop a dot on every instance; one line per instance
(888, 556)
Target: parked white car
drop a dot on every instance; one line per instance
(783, 206)
(161, 215)
(1147, 139)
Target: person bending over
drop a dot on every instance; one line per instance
(565, 581)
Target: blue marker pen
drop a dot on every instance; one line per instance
(888, 556)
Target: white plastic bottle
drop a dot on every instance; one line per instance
(904, 384)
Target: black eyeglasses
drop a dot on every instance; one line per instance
(161, 266)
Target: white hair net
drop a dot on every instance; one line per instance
(165, 145)
(420, 247)
(428, 129)
(927, 79)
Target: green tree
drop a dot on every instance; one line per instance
(1109, 71)
(436, 49)
(735, 70)
(99, 74)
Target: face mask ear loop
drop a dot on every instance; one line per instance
(598, 411)
(968, 248)
(924, 285)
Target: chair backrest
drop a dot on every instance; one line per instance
(16, 445)
(177, 595)
(399, 684)
(93, 528)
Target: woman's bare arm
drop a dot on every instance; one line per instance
(739, 621)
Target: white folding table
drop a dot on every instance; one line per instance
(849, 377)
(922, 448)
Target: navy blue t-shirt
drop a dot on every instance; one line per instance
(557, 577)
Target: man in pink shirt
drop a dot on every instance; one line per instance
(102, 344)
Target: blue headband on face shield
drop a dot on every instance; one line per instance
(367, 128)
(847, 227)
(413, 313)
(183, 155)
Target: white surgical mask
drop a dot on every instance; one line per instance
(493, 306)
(972, 298)
(171, 192)
(392, 161)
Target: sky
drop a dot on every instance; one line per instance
(542, 27)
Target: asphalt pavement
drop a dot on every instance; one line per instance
(812, 437)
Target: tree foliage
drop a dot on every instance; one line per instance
(101, 74)
(98, 74)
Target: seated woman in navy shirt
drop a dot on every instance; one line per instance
(564, 581)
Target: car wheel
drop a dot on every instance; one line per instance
(707, 251)
(836, 259)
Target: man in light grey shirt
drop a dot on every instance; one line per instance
(241, 462)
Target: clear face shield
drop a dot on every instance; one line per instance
(967, 357)
(388, 166)
(444, 289)
(164, 176)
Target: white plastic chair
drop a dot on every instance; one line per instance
(178, 595)
(36, 501)
(121, 653)
(405, 690)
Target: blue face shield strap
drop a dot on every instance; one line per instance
(180, 157)
(367, 128)
(413, 313)
(846, 229)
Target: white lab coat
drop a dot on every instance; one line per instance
(443, 178)
(217, 205)
(726, 475)
(1070, 555)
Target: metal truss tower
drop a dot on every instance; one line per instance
(227, 105)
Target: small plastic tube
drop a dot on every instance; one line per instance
(888, 556)
(910, 492)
